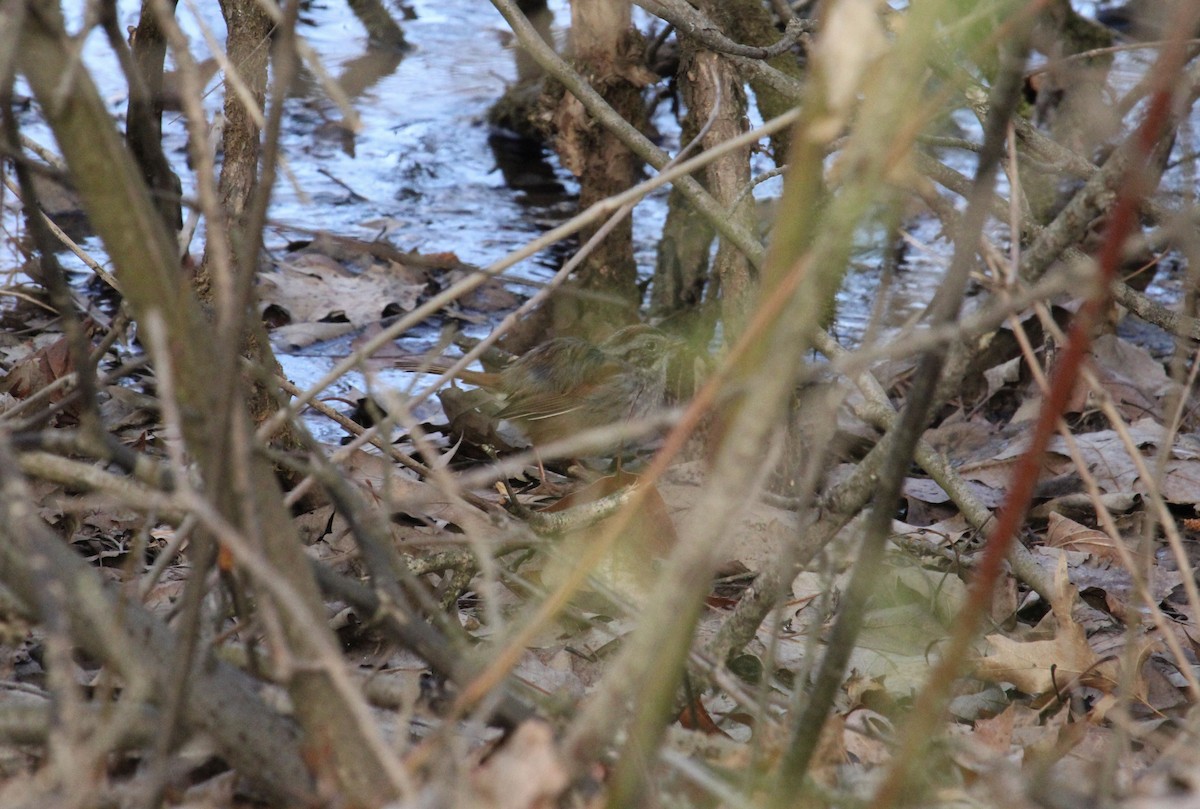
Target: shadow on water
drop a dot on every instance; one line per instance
(357, 76)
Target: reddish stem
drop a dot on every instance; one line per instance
(927, 711)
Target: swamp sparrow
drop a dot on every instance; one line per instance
(566, 385)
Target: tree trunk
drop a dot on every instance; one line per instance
(144, 115)
(748, 22)
(712, 89)
(604, 46)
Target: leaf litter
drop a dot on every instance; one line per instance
(1045, 676)
(1043, 692)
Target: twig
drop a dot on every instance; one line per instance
(258, 742)
(592, 214)
(103, 274)
(696, 25)
(638, 143)
(908, 429)
(929, 704)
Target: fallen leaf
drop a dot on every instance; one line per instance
(39, 369)
(313, 287)
(1066, 533)
(1042, 666)
(525, 772)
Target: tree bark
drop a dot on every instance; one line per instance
(144, 115)
(712, 89)
(748, 22)
(604, 45)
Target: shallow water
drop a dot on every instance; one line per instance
(422, 171)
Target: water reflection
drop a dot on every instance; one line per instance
(357, 76)
(526, 167)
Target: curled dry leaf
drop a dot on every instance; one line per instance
(1131, 376)
(1066, 533)
(865, 737)
(1043, 666)
(525, 772)
(38, 370)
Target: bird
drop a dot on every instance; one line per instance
(566, 385)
